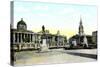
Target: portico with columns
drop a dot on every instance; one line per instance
(21, 38)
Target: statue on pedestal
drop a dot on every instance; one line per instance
(43, 46)
(43, 29)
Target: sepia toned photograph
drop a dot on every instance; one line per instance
(52, 33)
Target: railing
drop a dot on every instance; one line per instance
(32, 45)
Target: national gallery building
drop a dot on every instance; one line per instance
(22, 39)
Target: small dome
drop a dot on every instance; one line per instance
(21, 25)
(21, 22)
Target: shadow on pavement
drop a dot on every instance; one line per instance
(83, 55)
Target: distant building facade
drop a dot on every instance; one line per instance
(21, 38)
(94, 37)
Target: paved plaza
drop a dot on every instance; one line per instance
(55, 56)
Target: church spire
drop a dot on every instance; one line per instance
(81, 30)
(80, 21)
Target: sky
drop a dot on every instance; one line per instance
(56, 16)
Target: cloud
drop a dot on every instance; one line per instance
(66, 11)
(21, 10)
(40, 8)
(39, 15)
(42, 14)
(28, 10)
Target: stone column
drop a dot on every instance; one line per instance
(36, 41)
(25, 40)
(30, 38)
(21, 37)
(17, 37)
(39, 40)
(13, 38)
(20, 41)
(33, 38)
(58, 41)
(26, 35)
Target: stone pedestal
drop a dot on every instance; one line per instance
(44, 46)
(85, 41)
